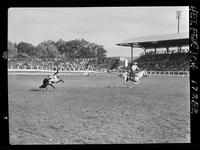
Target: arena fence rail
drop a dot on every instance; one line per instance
(88, 72)
(169, 73)
(47, 72)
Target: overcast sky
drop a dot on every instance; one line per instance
(101, 25)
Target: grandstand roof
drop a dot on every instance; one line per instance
(159, 41)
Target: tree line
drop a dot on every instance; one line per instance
(78, 48)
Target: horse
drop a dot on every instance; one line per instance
(126, 76)
(139, 75)
(50, 80)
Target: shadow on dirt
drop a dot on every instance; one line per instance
(37, 90)
(120, 86)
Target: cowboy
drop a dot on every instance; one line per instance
(134, 69)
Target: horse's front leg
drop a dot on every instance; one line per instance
(125, 80)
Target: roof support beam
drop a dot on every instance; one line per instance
(179, 49)
(167, 54)
(145, 51)
(131, 53)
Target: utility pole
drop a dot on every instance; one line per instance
(178, 16)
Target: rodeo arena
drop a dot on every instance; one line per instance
(104, 100)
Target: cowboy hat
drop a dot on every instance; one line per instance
(135, 63)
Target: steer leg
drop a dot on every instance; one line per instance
(125, 78)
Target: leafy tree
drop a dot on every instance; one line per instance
(24, 47)
(93, 50)
(78, 48)
(70, 49)
(41, 51)
(46, 50)
(12, 49)
(48, 42)
(22, 56)
(60, 44)
(84, 52)
(82, 49)
(101, 52)
(52, 51)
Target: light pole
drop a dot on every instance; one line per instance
(178, 16)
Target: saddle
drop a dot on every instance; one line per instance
(132, 75)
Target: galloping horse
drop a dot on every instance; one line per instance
(126, 76)
(51, 80)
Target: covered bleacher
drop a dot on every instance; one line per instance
(168, 61)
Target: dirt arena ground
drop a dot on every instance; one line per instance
(98, 110)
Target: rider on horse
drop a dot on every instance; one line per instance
(132, 73)
(134, 69)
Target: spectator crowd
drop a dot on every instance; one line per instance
(81, 64)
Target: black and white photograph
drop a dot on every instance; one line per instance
(98, 75)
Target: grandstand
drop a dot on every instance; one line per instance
(158, 62)
(161, 61)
